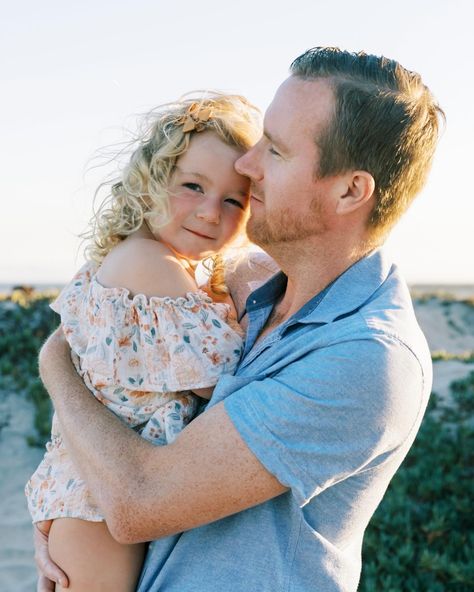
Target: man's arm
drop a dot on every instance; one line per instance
(146, 491)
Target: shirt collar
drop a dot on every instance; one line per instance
(352, 288)
(346, 294)
(267, 293)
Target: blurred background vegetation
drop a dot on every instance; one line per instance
(421, 539)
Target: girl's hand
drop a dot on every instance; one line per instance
(49, 574)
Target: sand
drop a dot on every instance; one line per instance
(448, 327)
(17, 462)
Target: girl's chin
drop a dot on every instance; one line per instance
(192, 256)
(195, 258)
(197, 255)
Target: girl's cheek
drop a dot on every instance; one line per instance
(237, 225)
(235, 219)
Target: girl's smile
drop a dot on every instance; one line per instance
(208, 199)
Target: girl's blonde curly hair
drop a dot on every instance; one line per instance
(140, 193)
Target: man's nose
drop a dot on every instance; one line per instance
(249, 164)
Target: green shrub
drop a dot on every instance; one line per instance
(463, 395)
(25, 322)
(421, 538)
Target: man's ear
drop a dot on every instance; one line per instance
(357, 191)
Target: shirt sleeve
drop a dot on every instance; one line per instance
(332, 413)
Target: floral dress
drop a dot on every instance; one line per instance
(139, 357)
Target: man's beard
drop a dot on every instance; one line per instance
(285, 226)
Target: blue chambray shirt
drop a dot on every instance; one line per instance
(329, 403)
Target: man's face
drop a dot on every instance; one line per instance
(287, 200)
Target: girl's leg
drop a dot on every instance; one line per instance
(92, 559)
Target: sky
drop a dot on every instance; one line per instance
(75, 75)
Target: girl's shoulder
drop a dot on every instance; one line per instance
(145, 266)
(142, 279)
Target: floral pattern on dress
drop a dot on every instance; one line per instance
(140, 357)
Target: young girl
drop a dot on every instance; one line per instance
(144, 338)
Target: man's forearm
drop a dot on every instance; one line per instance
(145, 491)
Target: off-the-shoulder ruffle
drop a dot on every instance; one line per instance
(137, 343)
(86, 280)
(189, 300)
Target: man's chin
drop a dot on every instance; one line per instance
(257, 232)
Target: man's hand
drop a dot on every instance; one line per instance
(48, 572)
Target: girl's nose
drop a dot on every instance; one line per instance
(210, 211)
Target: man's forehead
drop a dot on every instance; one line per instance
(304, 105)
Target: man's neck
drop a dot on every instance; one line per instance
(309, 268)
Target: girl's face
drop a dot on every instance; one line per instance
(208, 199)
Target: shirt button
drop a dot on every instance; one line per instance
(254, 302)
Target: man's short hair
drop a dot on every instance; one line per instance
(386, 122)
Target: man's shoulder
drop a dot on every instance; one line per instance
(390, 311)
(377, 327)
(388, 321)
(373, 298)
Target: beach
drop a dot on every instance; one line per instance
(448, 324)
(17, 461)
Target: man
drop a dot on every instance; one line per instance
(274, 484)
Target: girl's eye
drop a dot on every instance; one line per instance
(235, 202)
(273, 151)
(193, 187)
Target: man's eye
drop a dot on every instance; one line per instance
(235, 202)
(273, 151)
(193, 187)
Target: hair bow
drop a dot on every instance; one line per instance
(194, 118)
